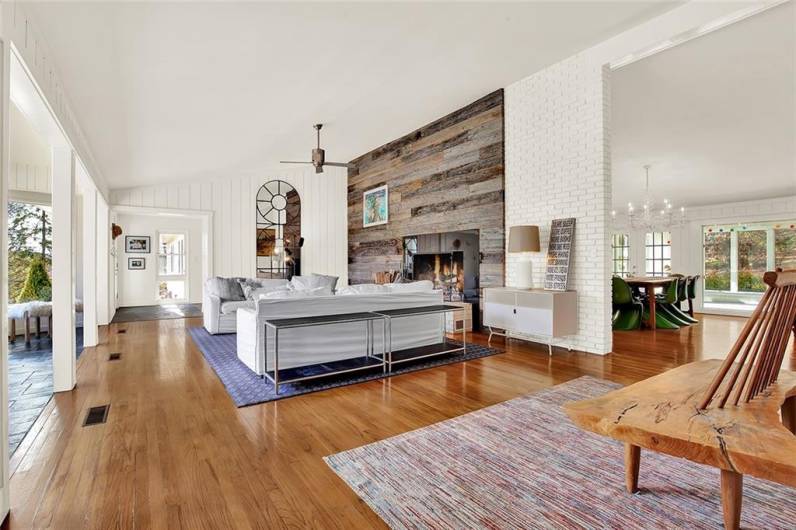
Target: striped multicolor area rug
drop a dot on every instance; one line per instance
(523, 464)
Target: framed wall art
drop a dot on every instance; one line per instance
(136, 264)
(375, 207)
(137, 244)
(559, 252)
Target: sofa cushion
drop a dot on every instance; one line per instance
(250, 285)
(227, 289)
(362, 288)
(228, 308)
(411, 287)
(312, 281)
(297, 293)
(331, 281)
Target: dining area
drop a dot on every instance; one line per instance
(653, 302)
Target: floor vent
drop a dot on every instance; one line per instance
(96, 415)
(115, 356)
(121, 331)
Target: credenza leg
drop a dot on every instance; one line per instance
(632, 462)
(731, 497)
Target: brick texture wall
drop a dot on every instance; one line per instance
(558, 165)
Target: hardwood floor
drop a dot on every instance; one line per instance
(176, 453)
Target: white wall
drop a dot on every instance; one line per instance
(557, 166)
(139, 287)
(232, 200)
(557, 157)
(30, 156)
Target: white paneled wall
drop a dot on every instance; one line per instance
(324, 223)
(30, 155)
(20, 27)
(557, 166)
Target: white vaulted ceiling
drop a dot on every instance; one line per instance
(715, 116)
(173, 91)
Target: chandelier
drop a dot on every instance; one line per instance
(652, 215)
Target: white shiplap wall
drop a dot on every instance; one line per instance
(324, 224)
(30, 156)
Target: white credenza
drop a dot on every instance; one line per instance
(536, 312)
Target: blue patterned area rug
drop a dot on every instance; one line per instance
(524, 464)
(247, 388)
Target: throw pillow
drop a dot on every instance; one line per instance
(331, 281)
(249, 285)
(227, 289)
(295, 293)
(300, 283)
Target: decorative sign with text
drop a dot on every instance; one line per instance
(559, 250)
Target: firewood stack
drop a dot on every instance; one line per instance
(385, 277)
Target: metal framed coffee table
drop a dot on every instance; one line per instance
(420, 352)
(370, 359)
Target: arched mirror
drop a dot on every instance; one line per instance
(278, 230)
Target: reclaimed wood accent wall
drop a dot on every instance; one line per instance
(443, 177)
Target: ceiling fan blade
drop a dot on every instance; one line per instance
(293, 162)
(338, 164)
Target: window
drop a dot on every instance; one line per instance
(752, 257)
(737, 256)
(171, 267)
(717, 261)
(620, 252)
(658, 253)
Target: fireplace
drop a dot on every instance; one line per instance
(446, 270)
(450, 259)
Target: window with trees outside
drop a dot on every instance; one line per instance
(658, 253)
(172, 273)
(29, 252)
(736, 257)
(620, 253)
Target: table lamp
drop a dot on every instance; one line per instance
(524, 239)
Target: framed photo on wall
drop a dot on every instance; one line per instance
(136, 264)
(375, 206)
(137, 244)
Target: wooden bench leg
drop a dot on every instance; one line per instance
(632, 462)
(27, 329)
(789, 414)
(38, 327)
(13, 326)
(731, 497)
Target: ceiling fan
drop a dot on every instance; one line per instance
(318, 155)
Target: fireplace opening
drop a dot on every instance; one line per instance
(446, 270)
(450, 259)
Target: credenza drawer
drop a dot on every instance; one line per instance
(534, 321)
(499, 296)
(534, 299)
(499, 315)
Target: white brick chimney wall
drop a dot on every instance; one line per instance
(557, 165)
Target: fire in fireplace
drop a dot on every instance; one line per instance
(445, 269)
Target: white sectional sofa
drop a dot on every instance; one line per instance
(314, 345)
(222, 297)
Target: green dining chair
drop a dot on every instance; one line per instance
(627, 309)
(662, 319)
(670, 299)
(691, 293)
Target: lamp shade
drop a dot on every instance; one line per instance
(524, 238)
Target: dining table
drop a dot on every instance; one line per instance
(649, 283)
